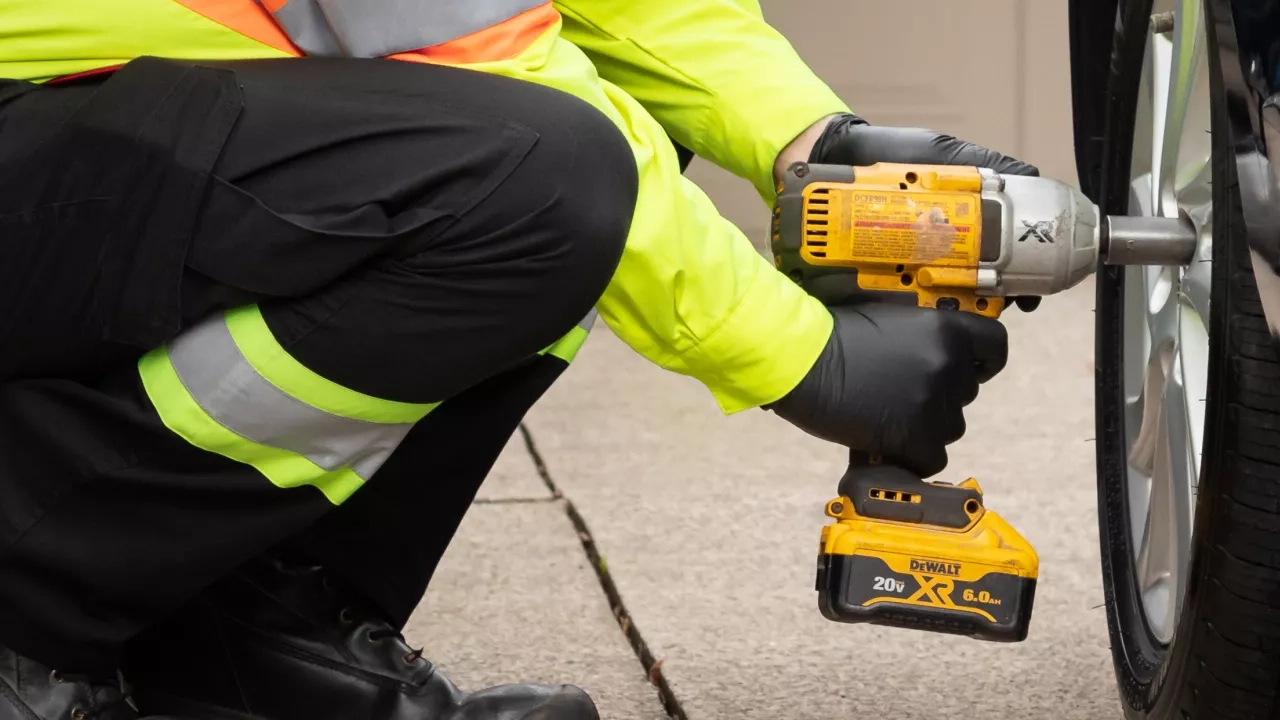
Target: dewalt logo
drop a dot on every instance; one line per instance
(933, 567)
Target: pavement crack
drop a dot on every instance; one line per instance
(652, 666)
(538, 462)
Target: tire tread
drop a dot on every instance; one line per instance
(1236, 644)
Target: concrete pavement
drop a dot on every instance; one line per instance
(516, 598)
(708, 526)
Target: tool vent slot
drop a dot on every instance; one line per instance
(817, 209)
(894, 495)
(816, 221)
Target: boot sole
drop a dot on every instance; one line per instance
(568, 704)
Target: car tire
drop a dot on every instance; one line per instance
(1223, 660)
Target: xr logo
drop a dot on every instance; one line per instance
(1042, 230)
(934, 590)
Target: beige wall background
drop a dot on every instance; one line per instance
(994, 72)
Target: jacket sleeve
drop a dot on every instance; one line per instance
(719, 79)
(690, 292)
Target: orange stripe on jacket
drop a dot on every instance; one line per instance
(497, 42)
(503, 41)
(247, 18)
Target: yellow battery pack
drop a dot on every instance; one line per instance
(924, 555)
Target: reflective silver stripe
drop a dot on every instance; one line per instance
(306, 25)
(229, 390)
(589, 320)
(376, 28)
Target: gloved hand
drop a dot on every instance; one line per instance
(893, 381)
(850, 140)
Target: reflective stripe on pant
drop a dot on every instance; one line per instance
(377, 240)
(226, 386)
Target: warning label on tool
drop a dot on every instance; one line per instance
(915, 227)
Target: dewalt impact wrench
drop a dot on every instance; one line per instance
(902, 551)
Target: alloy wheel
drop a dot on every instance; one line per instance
(1166, 312)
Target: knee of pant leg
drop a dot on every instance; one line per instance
(544, 244)
(603, 183)
(590, 172)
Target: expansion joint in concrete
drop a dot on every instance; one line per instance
(652, 666)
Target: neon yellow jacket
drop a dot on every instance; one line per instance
(691, 293)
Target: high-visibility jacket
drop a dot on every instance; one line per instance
(691, 293)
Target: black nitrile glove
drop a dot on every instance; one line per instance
(849, 140)
(893, 381)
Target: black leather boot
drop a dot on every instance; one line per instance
(281, 641)
(31, 691)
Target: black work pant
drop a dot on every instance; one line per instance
(414, 233)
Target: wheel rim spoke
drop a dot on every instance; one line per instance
(1155, 568)
(1179, 58)
(1165, 315)
(1175, 514)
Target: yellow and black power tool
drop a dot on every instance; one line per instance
(902, 551)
